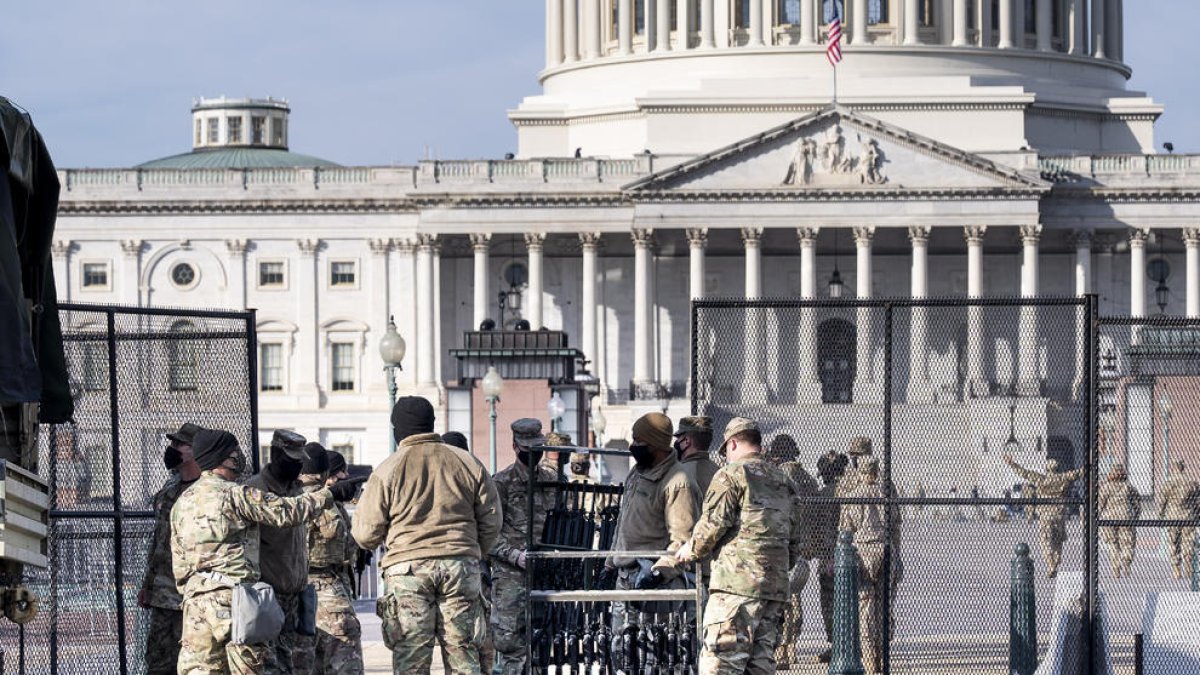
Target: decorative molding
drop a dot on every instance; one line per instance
(1082, 238)
(642, 237)
(404, 246)
(61, 248)
(974, 234)
(1138, 236)
(236, 247)
(919, 234)
(1030, 235)
(380, 246)
(241, 206)
(863, 236)
(1191, 237)
(752, 236)
(697, 237)
(308, 247)
(132, 248)
(590, 241)
(426, 242)
(534, 241)
(481, 242)
(807, 236)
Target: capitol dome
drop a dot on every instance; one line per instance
(679, 78)
(245, 133)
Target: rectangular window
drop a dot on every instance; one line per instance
(270, 362)
(199, 132)
(234, 129)
(342, 356)
(95, 275)
(214, 130)
(277, 131)
(342, 274)
(95, 365)
(877, 12)
(258, 130)
(270, 274)
(789, 12)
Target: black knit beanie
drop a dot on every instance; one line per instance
(410, 416)
(213, 446)
(337, 463)
(315, 461)
(457, 439)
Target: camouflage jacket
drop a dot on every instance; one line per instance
(284, 549)
(512, 485)
(215, 528)
(806, 489)
(329, 541)
(866, 521)
(1180, 498)
(1119, 501)
(1050, 485)
(658, 510)
(824, 527)
(159, 581)
(701, 469)
(751, 528)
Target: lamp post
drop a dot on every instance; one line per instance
(556, 408)
(492, 384)
(599, 423)
(1012, 446)
(391, 350)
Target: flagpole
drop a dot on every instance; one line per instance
(835, 84)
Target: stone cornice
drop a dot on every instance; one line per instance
(199, 206)
(1129, 195)
(519, 199)
(848, 194)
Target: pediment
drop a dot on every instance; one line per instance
(836, 149)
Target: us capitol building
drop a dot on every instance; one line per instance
(676, 150)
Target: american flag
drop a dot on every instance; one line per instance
(833, 45)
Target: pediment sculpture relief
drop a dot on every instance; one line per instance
(832, 162)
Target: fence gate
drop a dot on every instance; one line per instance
(944, 390)
(136, 373)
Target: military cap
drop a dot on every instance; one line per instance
(527, 433)
(694, 425)
(185, 435)
(654, 429)
(580, 457)
(561, 440)
(860, 445)
(290, 442)
(736, 426)
(869, 466)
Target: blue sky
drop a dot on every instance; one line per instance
(370, 81)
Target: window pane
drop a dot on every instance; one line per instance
(877, 11)
(277, 131)
(270, 274)
(199, 132)
(214, 130)
(271, 365)
(258, 130)
(789, 12)
(342, 273)
(235, 129)
(95, 274)
(346, 450)
(343, 367)
(182, 358)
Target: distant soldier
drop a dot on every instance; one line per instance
(508, 554)
(868, 524)
(1119, 501)
(1180, 500)
(825, 516)
(159, 595)
(437, 511)
(285, 553)
(1052, 527)
(692, 441)
(786, 453)
(860, 449)
(214, 529)
(750, 528)
(487, 649)
(553, 459)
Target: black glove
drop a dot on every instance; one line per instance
(607, 579)
(362, 559)
(650, 581)
(345, 490)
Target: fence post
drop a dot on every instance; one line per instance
(1196, 566)
(847, 651)
(1022, 628)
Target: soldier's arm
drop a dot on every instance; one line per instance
(1026, 475)
(372, 515)
(1076, 474)
(502, 550)
(681, 509)
(268, 509)
(160, 544)
(488, 514)
(721, 507)
(179, 567)
(799, 544)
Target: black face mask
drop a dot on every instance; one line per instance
(678, 446)
(580, 469)
(643, 455)
(172, 458)
(285, 469)
(529, 457)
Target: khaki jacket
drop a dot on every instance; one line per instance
(658, 511)
(1179, 499)
(428, 500)
(701, 469)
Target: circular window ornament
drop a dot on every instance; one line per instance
(184, 276)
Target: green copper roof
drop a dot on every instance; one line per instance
(237, 158)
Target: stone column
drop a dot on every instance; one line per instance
(756, 24)
(1028, 382)
(643, 308)
(425, 315)
(919, 388)
(570, 31)
(858, 23)
(808, 22)
(683, 25)
(236, 248)
(308, 343)
(912, 24)
(866, 389)
(625, 27)
(697, 240)
(1137, 271)
(1083, 286)
(1113, 28)
(976, 384)
(436, 263)
(402, 303)
(61, 250)
(131, 272)
(651, 18)
(809, 386)
(1098, 33)
(590, 243)
(1006, 24)
(554, 33)
(662, 41)
(1078, 27)
(1191, 240)
(377, 311)
(756, 322)
(1044, 27)
(533, 292)
(707, 25)
(752, 241)
(480, 246)
(960, 24)
(591, 27)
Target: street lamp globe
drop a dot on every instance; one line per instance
(1166, 406)
(391, 347)
(492, 384)
(556, 408)
(599, 423)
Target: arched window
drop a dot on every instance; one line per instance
(183, 357)
(837, 353)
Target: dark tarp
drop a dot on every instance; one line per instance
(33, 367)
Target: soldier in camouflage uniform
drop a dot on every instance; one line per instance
(215, 546)
(508, 555)
(438, 511)
(868, 524)
(553, 459)
(860, 449)
(750, 528)
(1119, 501)
(158, 594)
(692, 441)
(786, 454)
(1052, 527)
(1180, 500)
(487, 649)
(285, 553)
(825, 516)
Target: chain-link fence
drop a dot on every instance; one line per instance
(945, 393)
(136, 374)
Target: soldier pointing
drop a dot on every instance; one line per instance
(1052, 527)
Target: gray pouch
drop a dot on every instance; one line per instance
(256, 616)
(306, 622)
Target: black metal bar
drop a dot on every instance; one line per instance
(1091, 573)
(1195, 522)
(63, 514)
(118, 523)
(889, 523)
(53, 545)
(695, 342)
(146, 336)
(252, 371)
(949, 501)
(152, 311)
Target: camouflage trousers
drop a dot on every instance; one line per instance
(337, 647)
(427, 601)
(1052, 532)
(1121, 543)
(205, 647)
(873, 589)
(793, 617)
(291, 652)
(507, 619)
(825, 578)
(162, 641)
(1181, 546)
(739, 635)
